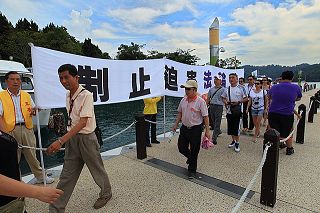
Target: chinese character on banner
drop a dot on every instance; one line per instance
(223, 82)
(142, 79)
(207, 79)
(171, 78)
(191, 75)
(95, 81)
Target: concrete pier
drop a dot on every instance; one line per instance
(159, 184)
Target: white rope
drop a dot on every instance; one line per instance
(290, 135)
(309, 107)
(153, 122)
(35, 148)
(61, 149)
(112, 136)
(246, 192)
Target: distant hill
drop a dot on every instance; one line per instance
(310, 72)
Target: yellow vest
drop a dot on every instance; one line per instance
(9, 115)
(150, 105)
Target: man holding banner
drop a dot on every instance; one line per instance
(82, 146)
(192, 111)
(16, 110)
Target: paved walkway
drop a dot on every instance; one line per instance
(158, 183)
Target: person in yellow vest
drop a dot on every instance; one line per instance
(150, 113)
(16, 110)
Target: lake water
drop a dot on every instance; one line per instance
(111, 118)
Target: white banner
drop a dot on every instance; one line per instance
(114, 81)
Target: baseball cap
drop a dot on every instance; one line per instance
(190, 84)
(218, 77)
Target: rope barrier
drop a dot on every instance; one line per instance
(290, 135)
(112, 136)
(61, 149)
(35, 148)
(309, 107)
(246, 192)
(152, 122)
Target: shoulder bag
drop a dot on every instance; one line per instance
(234, 109)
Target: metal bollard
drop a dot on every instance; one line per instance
(141, 137)
(302, 124)
(311, 111)
(316, 97)
(268, 195)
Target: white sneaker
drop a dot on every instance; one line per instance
(237, 147)
(49, 180)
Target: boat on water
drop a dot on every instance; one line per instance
(26, 85)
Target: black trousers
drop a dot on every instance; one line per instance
(190, 137)
(151, 117)
(245, 116)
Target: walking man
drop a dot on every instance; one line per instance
(233, 97)
(80, 141)
(282, 99)
(150, 113)
(16, 110)
(192, 111)
(216, 106)
(249, 88)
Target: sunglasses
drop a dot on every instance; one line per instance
(257, 83)
(250, 79)
(187, 88)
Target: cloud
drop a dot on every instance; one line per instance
(79, 24)
(144, 16)
(279, 35)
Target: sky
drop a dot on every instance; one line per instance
(256, 32)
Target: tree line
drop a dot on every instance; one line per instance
(15, 39)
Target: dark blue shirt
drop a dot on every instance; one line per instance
(283, 97)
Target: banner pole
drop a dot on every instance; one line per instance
(164, 117)
(40, 146)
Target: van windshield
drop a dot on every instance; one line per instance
(26, 83)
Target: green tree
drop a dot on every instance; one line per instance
(154, 54)
(132, 52)
(5, 29)
(5, 25)
(58, 38)
(24, 24)
(92, 50)
(232, 63)
(183, 56)
(222, 63)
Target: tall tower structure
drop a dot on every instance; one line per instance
(214, 42)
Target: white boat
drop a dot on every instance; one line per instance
(26, 85)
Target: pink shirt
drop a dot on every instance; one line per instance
(193, 112)
(82, 108)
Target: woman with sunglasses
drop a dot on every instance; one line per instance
(258, 102)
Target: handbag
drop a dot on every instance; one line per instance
(206, 143)
(235, 109)
(98, 133)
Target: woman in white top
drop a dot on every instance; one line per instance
(258, 102)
